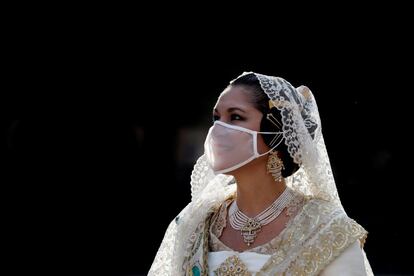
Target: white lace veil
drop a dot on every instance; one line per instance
(304, 140)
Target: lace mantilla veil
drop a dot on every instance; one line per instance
(305, 143)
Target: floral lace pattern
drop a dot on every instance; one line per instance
(302, 132)
(319, 234)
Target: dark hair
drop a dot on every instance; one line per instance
(261, 102)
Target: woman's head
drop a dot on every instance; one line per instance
(243, 103)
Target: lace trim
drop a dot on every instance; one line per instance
(321, 233)
(195, 262)
(219, 220)
(330, 244)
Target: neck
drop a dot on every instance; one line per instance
(256, 189)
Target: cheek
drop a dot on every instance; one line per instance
(261, 146)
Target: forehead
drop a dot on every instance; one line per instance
(234, 96)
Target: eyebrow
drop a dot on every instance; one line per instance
(231, 109)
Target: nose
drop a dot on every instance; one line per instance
(218, 131)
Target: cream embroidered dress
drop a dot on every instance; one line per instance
(345, 258)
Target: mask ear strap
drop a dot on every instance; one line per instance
(272, 122)
(274, 147)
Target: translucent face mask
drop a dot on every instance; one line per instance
(228, 147)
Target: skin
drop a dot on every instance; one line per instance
(256, 189)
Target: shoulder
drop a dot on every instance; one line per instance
(322, 232)
(316, 206)
(351, 261)
(330, 220)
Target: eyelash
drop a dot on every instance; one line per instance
(233, 117)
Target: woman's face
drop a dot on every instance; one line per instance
(235, 107)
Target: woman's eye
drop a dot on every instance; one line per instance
(236, 117)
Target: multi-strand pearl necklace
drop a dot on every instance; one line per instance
(249, 227)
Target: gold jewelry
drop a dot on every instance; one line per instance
(275, 166)
(279, 103)
(250, 227)
(232, 266)
(272, 118)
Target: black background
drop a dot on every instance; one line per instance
(92, 176)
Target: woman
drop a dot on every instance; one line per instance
(264, 200)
